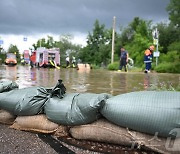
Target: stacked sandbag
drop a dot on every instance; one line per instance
(104, 131)
(31, 100)
(37, 123)
(75, 108)
(150, 112)
(6, 117)
(26, 101)
(62, 131)
(7, 85)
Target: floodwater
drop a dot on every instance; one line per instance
(86, 80)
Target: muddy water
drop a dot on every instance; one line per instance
(95, 81)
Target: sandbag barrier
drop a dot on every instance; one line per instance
(7, 85)
(31, 100)
(105, 131)
(153, 113)
(101, 131)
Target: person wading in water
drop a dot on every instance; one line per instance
(123, 59)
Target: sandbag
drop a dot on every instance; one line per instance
(31, 100)
(36, 123)
(104, 131)
(7, 85)
(146, 111)
(26, 101)
(6, 117)
(75, 108)
(62, 131)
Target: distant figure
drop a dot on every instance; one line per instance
(148, 55)
(22, 61)
(73, 61)
(67, 62)
(123, 59)
(79, 61)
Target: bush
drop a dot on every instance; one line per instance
(94, 66)
(2, 57)
(171, 56)
(113, 66)
(174, 46)
(168, 68)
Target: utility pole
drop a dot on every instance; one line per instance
(113, 34)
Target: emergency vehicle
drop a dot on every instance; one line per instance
(43, 57)
(10, 59)
(26, 56)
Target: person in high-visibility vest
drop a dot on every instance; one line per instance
(148, 55)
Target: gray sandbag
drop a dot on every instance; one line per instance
(26, 101)
(75, 108)
(105, 131)
(7, 85)
(146, 111)
(29, 101)
(37, 123)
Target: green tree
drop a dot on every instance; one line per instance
(136, 37)
(98, 42)
(67, 48)
(169, 39)
(174, 12)
(168, 34)
(43, 43)
(2, 55)
(136, 26)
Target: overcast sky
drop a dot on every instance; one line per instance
(37, 18)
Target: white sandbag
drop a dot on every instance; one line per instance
(36, 123)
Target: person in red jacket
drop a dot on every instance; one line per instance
(148, 55)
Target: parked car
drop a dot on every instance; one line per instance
(10, 59)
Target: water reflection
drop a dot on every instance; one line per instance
(11, 72)
(146, 81)
(33, 74)
(123, 81)
(96, 81)
(81, 77)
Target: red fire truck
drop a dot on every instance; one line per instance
(43, 57)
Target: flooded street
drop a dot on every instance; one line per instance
(95, 81)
